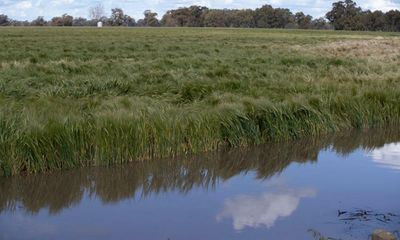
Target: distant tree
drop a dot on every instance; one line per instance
(67, 20)
(268, 17)
(176, 18)
(129, 21)
(96, 12)
(392, 19)
(168, 20)
(196, 16)
(56, 21)
(81, 22)
(150, 19)
(373, 21)
(303, 21)
(243, 18)
(216, 18)
(283, 18)
(263, 16)
(117, 17)
(19, 23)
(39, 21)
(64, 20)
(4, 20)
(192, 16)
(320, 23)
(345, 15)
(140, 23)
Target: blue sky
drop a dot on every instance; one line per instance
(30, 9)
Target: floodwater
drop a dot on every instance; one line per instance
(343, 187)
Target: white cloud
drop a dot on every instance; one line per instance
(388, 156)
(384, 5)
(262, 210)
(23, 5)
(62, 2)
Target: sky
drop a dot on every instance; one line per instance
(30, 9)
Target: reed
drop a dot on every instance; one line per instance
(83, 97)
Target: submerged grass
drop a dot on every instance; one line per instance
(82, 97)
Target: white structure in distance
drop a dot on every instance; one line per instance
(99, 24)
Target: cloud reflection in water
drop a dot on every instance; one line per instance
(264, 209)
(388, 156)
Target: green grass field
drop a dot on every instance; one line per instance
(73, 97)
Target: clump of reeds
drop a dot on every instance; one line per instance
(119, 136)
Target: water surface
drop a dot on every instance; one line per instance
(291, 190)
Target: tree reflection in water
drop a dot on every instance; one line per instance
(60, 190)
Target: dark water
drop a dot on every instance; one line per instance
(288, 190)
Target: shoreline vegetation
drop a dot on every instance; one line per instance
(88, 97)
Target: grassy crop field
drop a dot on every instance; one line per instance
(72, 97)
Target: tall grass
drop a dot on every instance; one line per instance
(83, 97)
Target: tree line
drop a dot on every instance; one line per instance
(344, 15)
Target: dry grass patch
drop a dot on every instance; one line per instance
(14, 64)
(372, 49)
